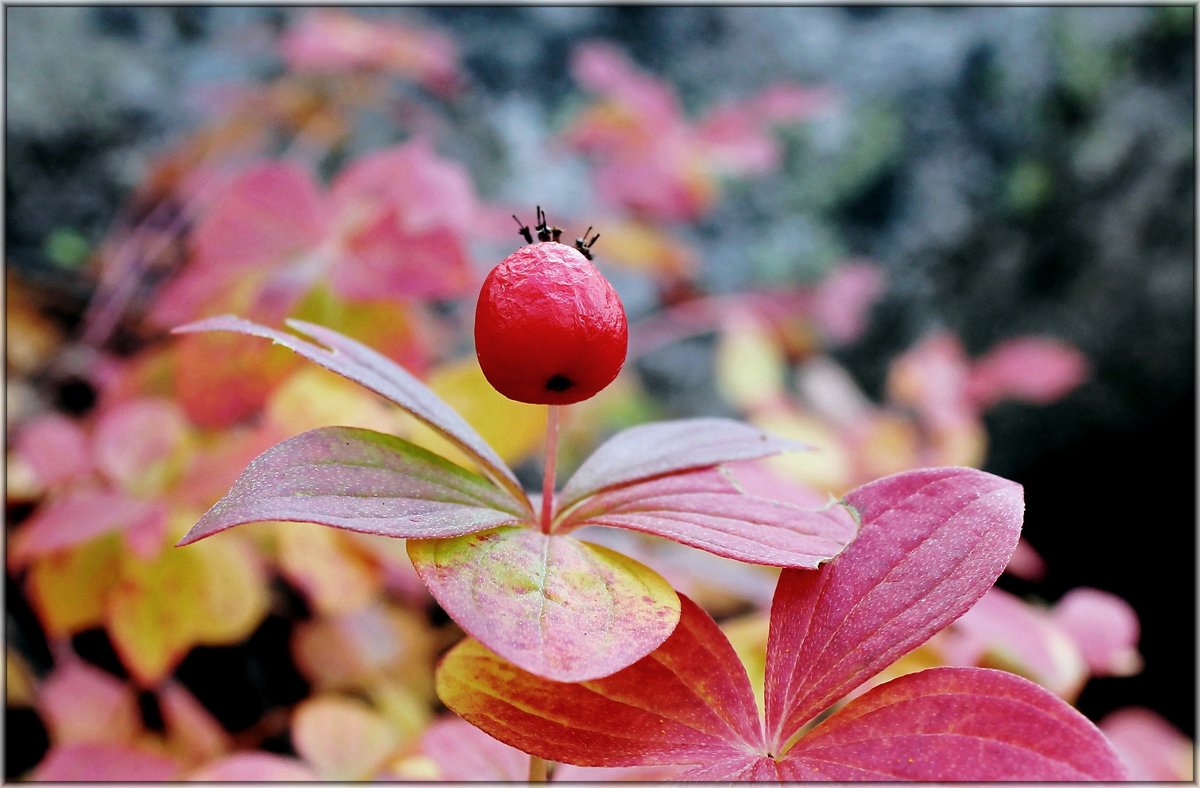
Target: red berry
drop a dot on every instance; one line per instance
(549, 328)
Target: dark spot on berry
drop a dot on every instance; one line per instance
(559, 383)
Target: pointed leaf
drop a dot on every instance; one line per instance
(556, 606)
(359, 480)
(80, 515)
(687, 702)
(932, 542)
(955, 724)
(706, 509)
(381, 375)
(650, 450)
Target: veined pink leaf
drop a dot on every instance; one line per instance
(741, 768)
(688, 702)
(932, 542)
(706, 509)
(553, 605)
(657, 449)
(380, 374)
(360, 480)
(954, 724)
(98, 763)
(81, 514)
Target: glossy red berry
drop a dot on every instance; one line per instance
(549, 328)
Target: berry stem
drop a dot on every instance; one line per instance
(548, 476)
(537, 769)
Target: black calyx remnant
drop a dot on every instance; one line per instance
(559, 383)
(548, 232)
(584, 245)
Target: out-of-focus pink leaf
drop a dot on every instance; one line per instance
(553, 605)
(404, 214)
(81, 703)
(1034, 369)
(649, 450)
(464, 753)
(931, 378)
(737, 136)
(135, 441)
(98, 763)
(705, 509)
(1152, 749)
(688, 702)
(266, 216)
(1003, 631)
(363, 481)
(253, 767)
(1026, 563)
(383, 376)
(932, 542)
(954, 724)
(333, 40)
(239, 375)
(604, 69)
(81, 514)
(191, 729)
(1104, 627)
(842, 302)
(55, 447)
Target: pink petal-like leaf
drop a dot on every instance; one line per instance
(97, 762)
(688, 702)
(657, 449)
(79, 702)
(555, 606)
(381, 375)
(360, 480)
(706, 509)
(741, 768)
(932, 542)
(464, 753)
(55, 447)
(1104, 627)
(82, 514)
(254, 767)
(1030, 368)
(1151, 748)
(955, 724)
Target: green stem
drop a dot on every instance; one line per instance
(537, 766)
(548, 476)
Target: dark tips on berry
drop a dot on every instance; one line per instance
(558, 383)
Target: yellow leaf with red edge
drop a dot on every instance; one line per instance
(514, 429)
(68, 588)
(208, 594)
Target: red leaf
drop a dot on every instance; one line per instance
(650, 450)
(931, 544)
(359, 480)
(955, 724)
(706, 509)
(688, 702)
(383, 376)
(553, 605)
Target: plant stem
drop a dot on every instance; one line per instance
(548, 476)
(537, 766)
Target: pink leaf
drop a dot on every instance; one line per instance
(55, 447)
(649, 450)
(79, 703)
(1104, 627)
(553, 605)
(464, 753)
(688, 702)
(381, 375)
(931, 543)
(955, 724)
(706, 509)
(363, 481)
(94, 762)
(135, 438)
(190, 727)
(1150, 747)
(80, 515)
(842, 303)
(248, 767)
(1034, 369)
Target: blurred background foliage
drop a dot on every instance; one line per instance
(984, 174)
